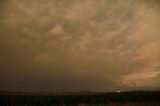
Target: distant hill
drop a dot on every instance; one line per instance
(73, 93)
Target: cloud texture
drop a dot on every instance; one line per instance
(74, 45)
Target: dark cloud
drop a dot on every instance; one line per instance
(68, 45)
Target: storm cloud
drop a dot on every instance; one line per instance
(76, 45)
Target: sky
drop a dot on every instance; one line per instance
(79, 45)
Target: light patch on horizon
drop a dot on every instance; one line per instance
(145, 78)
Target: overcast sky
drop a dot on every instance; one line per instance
(77, 45)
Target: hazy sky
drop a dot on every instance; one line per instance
(77, 45)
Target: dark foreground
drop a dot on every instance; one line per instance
(142, 98)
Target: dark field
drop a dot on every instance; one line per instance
(145, 98)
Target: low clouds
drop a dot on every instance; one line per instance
(60, 45)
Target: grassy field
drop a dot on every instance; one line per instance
(146, 98)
